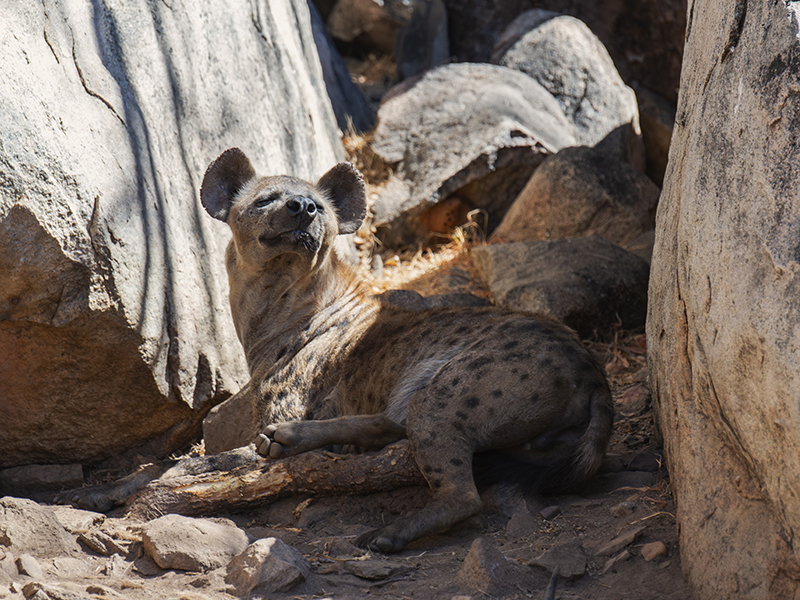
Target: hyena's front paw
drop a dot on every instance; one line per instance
(277, 441)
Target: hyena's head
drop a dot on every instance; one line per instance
(282, 215)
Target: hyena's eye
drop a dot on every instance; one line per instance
(268, 199)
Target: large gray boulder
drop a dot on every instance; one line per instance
(644, 38)
(478, 131)
(587, 283)
(114, 322)
(724, 313)
(580, 192)
(568, 60)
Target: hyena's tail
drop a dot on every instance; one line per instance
(570, 458)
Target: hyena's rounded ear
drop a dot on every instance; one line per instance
(223, 179)
(344, 186)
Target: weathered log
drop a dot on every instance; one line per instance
(267, 480)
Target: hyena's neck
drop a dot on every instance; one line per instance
(274, 327)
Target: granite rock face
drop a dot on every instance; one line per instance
(115, 330)
(725, 302)
(568, 60)
(477, 131)
(587, 283)
(644, 38)
(580, 192)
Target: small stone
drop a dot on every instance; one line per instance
(28, 565)
(633, 401)
(101, 590)
(178, 542)
(146, 566)
(101, 543)
(5, 580)
(374, 569)
(340, 548)
(653, 550)
(117, 567)
(267, 565)
(647, 461)
(618, 543)
(567, 557)
(41, 591)
(613, 562)
(76, 520)
(522, 524)
(484, 569)
(550, 513)
(623, 509)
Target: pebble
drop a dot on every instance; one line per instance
(8, 564)
(76, 520)
(634, 401)
(101, 543)
(568, 557)
(28, 565)
(484, 570)
(374, 570)
(522, 524)
(623, 509)
(618, 543)
(648, 461)
(550, 513)
(653, 550)
(267, 565)
(613, 562)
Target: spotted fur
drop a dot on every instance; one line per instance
(333, 364)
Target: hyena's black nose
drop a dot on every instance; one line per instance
(301, 206)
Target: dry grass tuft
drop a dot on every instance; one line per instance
(358, 147)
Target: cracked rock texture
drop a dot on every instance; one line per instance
(568, 60)
(724, 302)
(475, 130)
(114, 323)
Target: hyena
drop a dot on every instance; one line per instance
(332, 364)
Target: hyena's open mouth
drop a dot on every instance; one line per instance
(305, 239)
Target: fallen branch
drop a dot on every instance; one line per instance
(266, 480)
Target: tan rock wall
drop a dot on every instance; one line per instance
(114, 319)
(724, 302)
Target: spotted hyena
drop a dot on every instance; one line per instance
(332, 364)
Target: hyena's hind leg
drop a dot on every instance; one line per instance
(447, 467)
